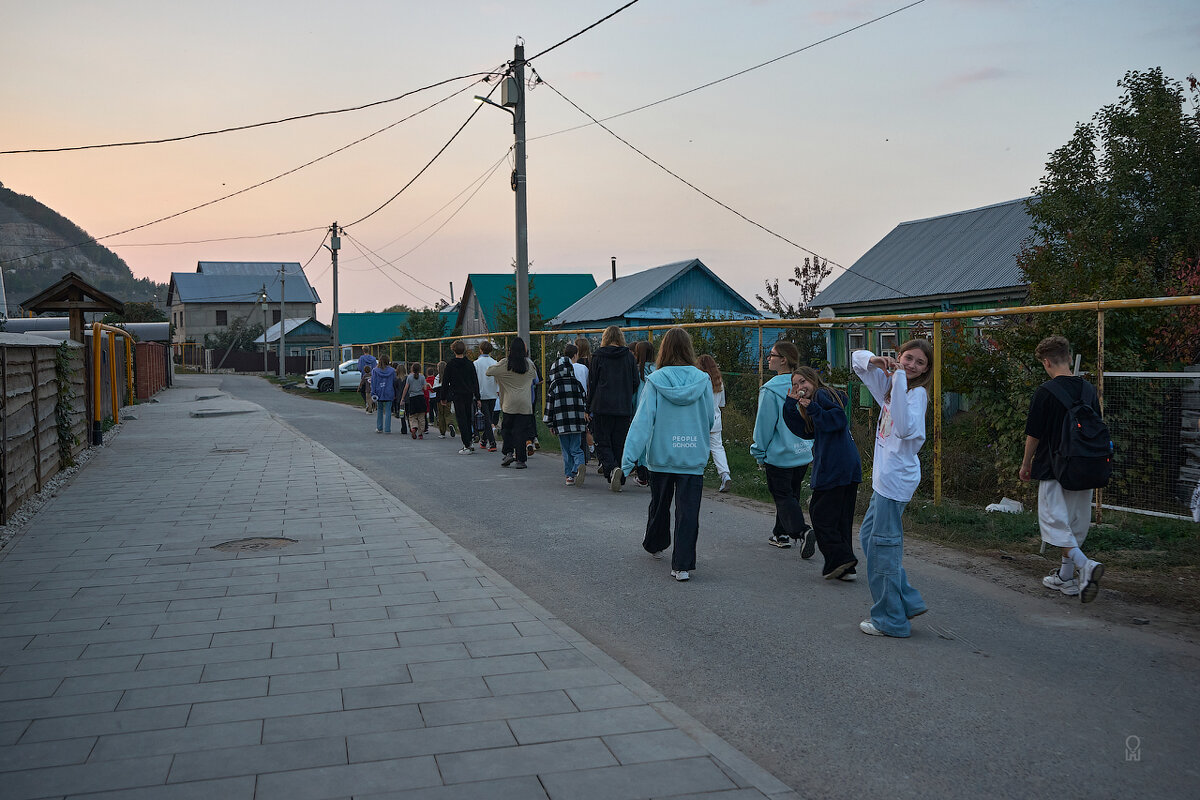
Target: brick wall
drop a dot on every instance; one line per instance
(149, 369)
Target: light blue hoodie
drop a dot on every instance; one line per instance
(669, 432)
(773, 443)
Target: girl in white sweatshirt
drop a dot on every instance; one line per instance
(898, 386)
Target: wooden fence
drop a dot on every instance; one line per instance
(30, 453)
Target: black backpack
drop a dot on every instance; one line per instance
(1084, 456)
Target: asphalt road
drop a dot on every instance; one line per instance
(998, 693)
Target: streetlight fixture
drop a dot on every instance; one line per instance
(263, 299)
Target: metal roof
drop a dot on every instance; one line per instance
(614, 298)
(967, 251)
(260, 268)
(368, 327)
(197, 287)
(290, 324)
(555, 291)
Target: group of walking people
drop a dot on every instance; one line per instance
(655, 417)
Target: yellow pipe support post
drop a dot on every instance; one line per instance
(112, 377)
(128, 371)
(1100, 392)
(97, 424)
(937, 412)
(422, 359)
(760, 355)
(544, 379)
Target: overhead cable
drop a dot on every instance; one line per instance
(725, 206)
(585, 30)
(245, 127)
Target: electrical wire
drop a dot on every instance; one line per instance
(97, 239)
(387, 263)
(736, 74)
(585, 30)
(725, 206)
(428, 164)
(245, 127)
(404, 289)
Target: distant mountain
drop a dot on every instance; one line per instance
(31, 236)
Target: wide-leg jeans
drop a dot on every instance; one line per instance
(383, 416)
(784, 484)
(882, 539)
(686, 490)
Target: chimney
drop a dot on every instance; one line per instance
(614, 268)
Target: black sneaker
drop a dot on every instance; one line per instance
(782, 541)
(508, 459)
(808, 544)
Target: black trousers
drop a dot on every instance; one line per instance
(487, 436)
(464, 414)
(516, 429)
(686, 490)
(784, 485)
(832, 514)
(610, 431)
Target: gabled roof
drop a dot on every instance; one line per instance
(72, 292)
(555, 291)
(370, 327)
(614, 299)
(290, 324)
(239, 282)
(967, 251)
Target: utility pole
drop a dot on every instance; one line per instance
(516, 99)
(282, 318)
(266, 347)
(335, 243)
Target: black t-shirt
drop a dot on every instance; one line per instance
(1045, 422)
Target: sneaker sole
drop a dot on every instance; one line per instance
(1088, 592)
(780, 545)
(809, 545)
(837, 572)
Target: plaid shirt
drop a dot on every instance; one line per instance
(566, 410)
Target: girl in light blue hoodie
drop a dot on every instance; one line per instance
(783, 454)
(669, 435)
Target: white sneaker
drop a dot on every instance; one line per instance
(465, 451)
(614, 481)
(1089, 581)
(580, 474)
(680, 575)
(725, 482)
(868, 627)
(1054, 581)
(441, 436)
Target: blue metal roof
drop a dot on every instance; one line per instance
(968, 251)
(235, 282)
(619, 298)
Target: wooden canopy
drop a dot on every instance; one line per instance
(74, 295)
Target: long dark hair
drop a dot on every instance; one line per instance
(643, 354)
(518, 354)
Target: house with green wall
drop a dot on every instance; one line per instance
(955, 262)
(486, 295)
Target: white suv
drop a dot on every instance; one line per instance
(322, 379)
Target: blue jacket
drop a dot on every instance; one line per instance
(835, 456)
(669, 431)
(383, 384)
(773, 443)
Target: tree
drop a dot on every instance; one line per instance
(238, 336)
(427, 323)
(399, 308)
(807, 278)
(136, 312)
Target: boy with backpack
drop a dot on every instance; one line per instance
(1069, 452)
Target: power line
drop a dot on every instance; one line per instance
(97, 239)
(358, 246)
(385, 262)
(585, 30)
(725, 206)
(421, 172)
(738, 73)
(245, 127)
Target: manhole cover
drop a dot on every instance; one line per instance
(256, 543)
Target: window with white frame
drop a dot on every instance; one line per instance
(888, 343)
(856, 340)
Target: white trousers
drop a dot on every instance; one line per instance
(717, 448)
(1063, 515)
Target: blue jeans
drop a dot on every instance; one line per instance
(572, 452)
(383, 416)
(882, 538)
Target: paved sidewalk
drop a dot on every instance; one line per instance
(371, 657)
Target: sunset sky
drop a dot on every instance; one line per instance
(947, 105)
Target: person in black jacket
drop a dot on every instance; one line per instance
(461, 387)
(611, 383)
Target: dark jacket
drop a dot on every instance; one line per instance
(565, 407)
(835, 456)
(460, 381)
(612, 381)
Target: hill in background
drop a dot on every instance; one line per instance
(27, 226)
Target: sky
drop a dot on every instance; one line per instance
(944, 106)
